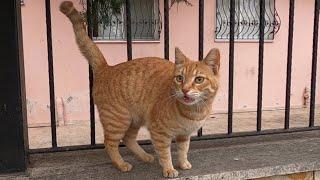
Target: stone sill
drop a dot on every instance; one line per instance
(234, 158)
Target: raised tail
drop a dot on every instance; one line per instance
(87, 47)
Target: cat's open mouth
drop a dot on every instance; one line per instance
(188, 100)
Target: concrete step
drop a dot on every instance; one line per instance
(234, 158)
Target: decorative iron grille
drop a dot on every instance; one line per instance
(247, 13)
(145, 23)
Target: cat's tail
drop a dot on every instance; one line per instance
(87, 47)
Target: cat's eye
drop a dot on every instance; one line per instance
(199, 80)
(179, 78)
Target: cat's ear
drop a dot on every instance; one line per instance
(180, 58)
(213, 60)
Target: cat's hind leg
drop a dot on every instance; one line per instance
(115, 127)
(130, 140)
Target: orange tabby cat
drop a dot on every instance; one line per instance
(172, 100)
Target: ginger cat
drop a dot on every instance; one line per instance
(171, 99)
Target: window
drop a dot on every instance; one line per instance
(145, 23)
(247, 14)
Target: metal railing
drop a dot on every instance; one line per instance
(229, 134)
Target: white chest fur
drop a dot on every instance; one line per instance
(188, 126)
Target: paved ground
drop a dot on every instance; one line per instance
(79, 133)
(233, 158)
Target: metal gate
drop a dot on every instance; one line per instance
(93, 145)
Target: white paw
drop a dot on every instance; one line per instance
(170, 173)
(185, 165)
(124, 167)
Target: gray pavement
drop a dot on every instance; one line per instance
(235, 158)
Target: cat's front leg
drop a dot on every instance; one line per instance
(162, 142)
(183, 148)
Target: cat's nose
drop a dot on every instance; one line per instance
(185, 91)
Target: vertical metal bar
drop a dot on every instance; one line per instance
(231, 65)
(51, 75)
(166, 29)
(314, 62)
(129, 35)
(13, 114)
(201, 26)
(92, 109)
(201, 23)
(289, 64)
(260, 70)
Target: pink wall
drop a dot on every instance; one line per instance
(36, 66)
(71, 70)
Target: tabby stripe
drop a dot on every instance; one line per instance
(119, 124)
(164, 124)
(115, 143)
(117, 114)
(162, 147)
(162, 142)
(113, 116)
(114, 137)
(142, 92)
(163, 134)
(115, 130)
(113, 123)
(155, 73)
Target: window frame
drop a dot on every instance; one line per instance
(224, 40)
(158, 29)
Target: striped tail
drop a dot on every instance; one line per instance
(87, 47)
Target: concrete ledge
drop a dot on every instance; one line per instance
(236, 158)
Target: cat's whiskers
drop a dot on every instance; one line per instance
(198, 108)
(205, 104)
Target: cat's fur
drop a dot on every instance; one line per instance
(172, 100)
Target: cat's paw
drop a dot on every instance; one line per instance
(124, 167)
(148, 158)
(170, 173)
(185, 165)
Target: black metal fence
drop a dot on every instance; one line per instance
(261, 23)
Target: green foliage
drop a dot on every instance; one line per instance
(179, 1)
(103, 10)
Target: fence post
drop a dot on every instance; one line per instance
(314, 63)
(166, 29)
(231, 66)
(92, 108)
(51, 75)
(13, 132)
(201, 32)
(289, 64)
(129, 34)
(260, 65)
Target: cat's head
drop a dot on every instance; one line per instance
(196, 81)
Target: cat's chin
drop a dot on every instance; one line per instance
(188, 101)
